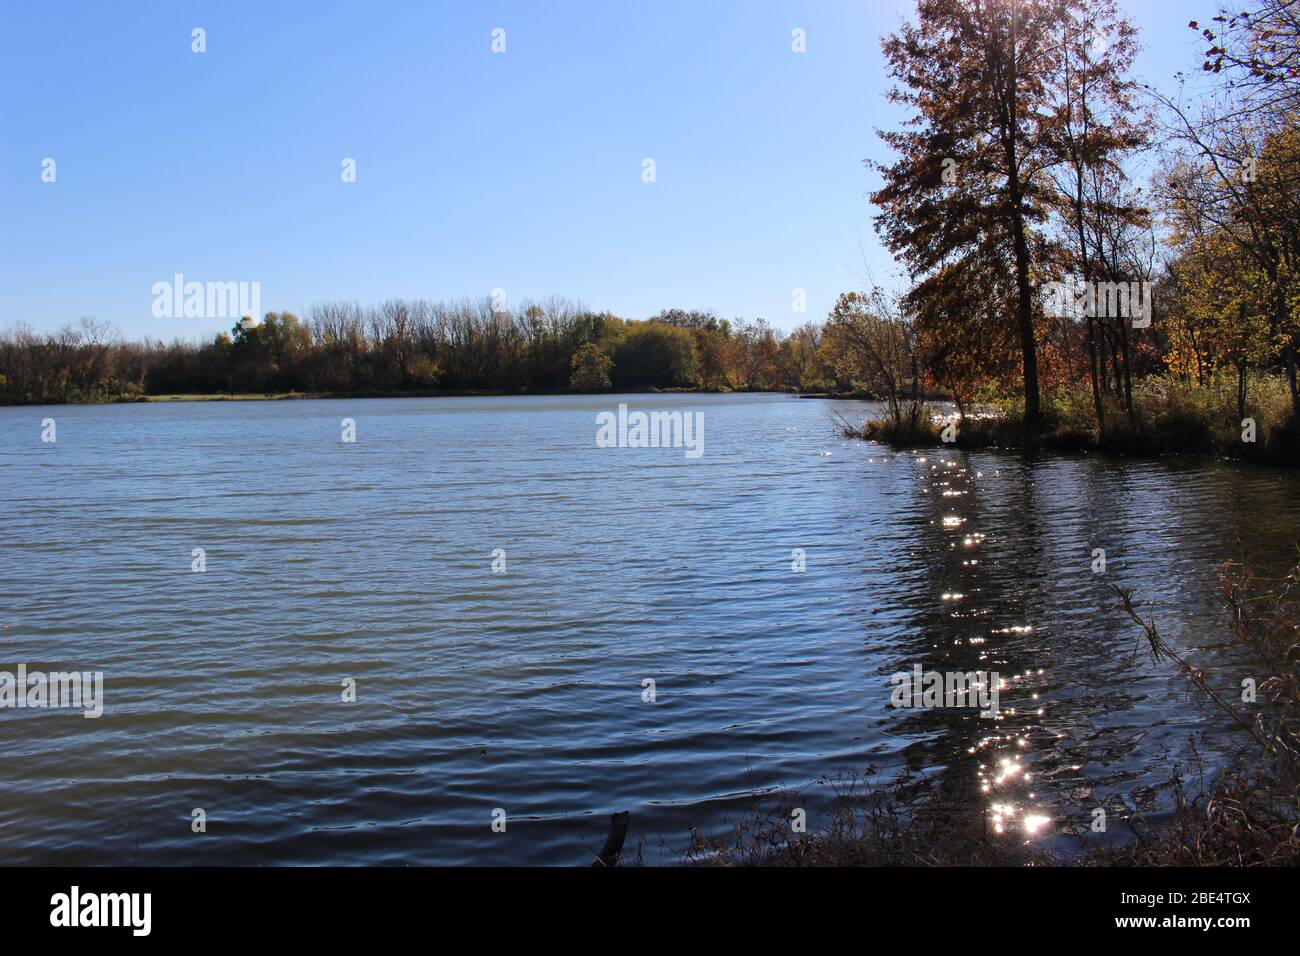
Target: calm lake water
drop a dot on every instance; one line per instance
(523, 690)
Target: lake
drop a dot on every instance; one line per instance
(498, 590)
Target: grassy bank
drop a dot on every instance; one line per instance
(220, 397)
(1168, 417)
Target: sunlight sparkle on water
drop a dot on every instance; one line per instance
(1034, 822)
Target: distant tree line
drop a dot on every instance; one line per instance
(420, 346)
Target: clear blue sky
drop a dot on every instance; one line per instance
(475, 170)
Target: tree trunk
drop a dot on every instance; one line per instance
(1289, 357)
(1024, 304)
(1128, 367)
(1093, 367)
(1282, 323)
(1241, 389)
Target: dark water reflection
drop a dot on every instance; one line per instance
(1086, 717)
(524, 691)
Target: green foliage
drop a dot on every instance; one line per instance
(591, 367)
(656, 354)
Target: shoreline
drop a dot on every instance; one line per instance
(185, 397)
(1279, 447)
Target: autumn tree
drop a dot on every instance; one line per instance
(1226, 300)
(801, 357)
(1255, 48)
(1095, 124)
(870, 342)
(655, 354)
(975, 73)
(1238, 175)
(591, 366)
(962, 338)
(1239, 155)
